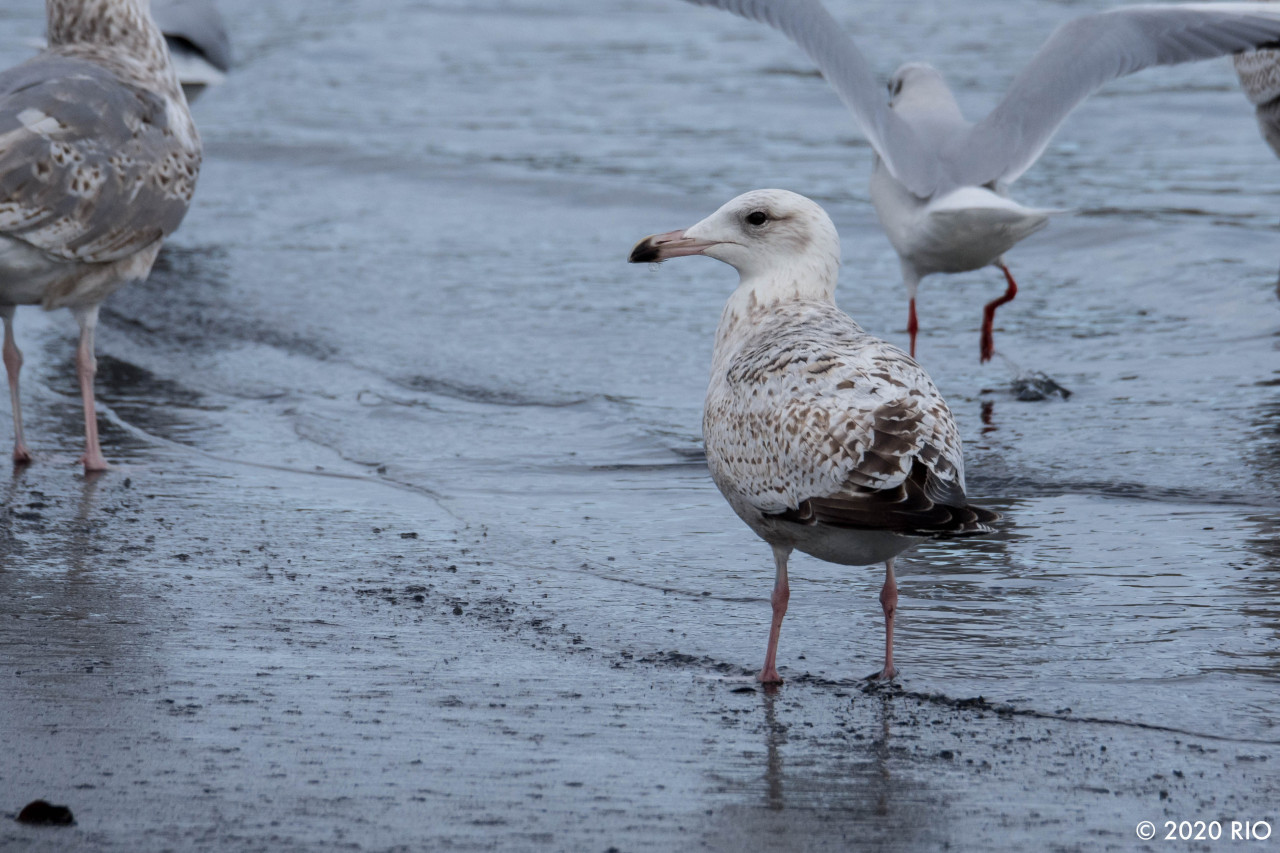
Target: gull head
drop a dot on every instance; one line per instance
(763, 233)
(911, 77)
(919, 87)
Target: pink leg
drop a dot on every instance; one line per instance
(989, 313)
(889, 603)
(86, 367)
(12, 366)
(781, 595)
(913, 325)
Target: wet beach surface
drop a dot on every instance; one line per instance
(410, 543)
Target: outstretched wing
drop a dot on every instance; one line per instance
(809, 25)
(90, 168)
(1087, 52)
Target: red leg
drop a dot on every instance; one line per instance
(989, 313)
(888, 603)
(86, 367)
(13, 366)
(781, 595)
(913, 325)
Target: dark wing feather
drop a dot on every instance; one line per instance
(908, 509)
(818, 422)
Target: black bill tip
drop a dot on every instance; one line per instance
(645, 252)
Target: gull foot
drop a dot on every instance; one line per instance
(94, 463)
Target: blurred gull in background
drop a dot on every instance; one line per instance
(939, 181)
(198, 42)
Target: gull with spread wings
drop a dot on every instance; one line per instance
(939, 181)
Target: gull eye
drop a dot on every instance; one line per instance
(757, 217)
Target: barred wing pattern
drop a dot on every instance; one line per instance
(812, 420)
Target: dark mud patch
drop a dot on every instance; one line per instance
(484, 607)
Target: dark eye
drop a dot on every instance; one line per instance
(757, 217)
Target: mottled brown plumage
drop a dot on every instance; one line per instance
(1259, 72)
(98, 163)
(821, 437)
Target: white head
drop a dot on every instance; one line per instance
(920, 86)
(782, 244)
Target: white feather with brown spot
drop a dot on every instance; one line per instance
(802, 403)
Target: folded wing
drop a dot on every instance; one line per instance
(90, 169)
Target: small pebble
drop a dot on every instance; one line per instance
(44, 813)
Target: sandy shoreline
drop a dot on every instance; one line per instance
(201, 655)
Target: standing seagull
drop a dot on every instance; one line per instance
(939, 181)
(98, 162)
(820, 436)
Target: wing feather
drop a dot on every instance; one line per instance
(811, 27)
(845, 430)
(90, 168)
(1087, 52)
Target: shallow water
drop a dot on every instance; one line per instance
(407, 262)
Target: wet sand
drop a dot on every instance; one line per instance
(209, 655)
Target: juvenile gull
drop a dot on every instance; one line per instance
(939, 181)
(820, 436)
(98, 162)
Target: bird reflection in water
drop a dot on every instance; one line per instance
(877, 775)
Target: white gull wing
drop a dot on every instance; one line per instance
(1080, 57)
(812, 419)
(809, 25)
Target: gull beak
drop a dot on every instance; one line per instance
(673, 244)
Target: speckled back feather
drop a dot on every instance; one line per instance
(1259, 73)
(98, 153)
(813, 420)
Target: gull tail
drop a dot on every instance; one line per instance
(986, 223)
